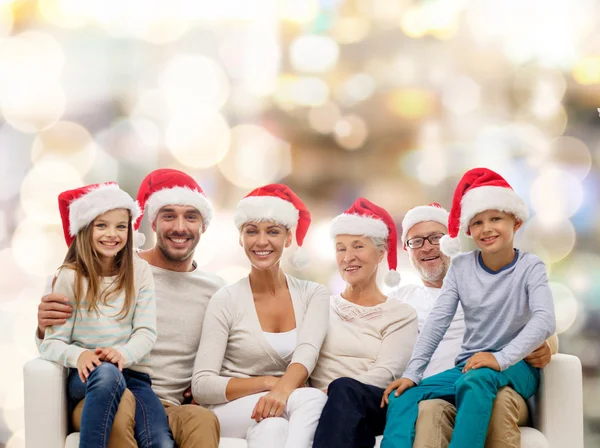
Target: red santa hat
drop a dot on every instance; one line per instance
(432, 212)
(479, 189)
(170, 187)
(277, 203)
(367, 219)
(79, 207)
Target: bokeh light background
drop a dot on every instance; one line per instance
(392, 100)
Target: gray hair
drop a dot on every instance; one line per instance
(380, 243)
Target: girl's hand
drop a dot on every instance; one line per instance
(86, 364)
(270, 405)
(481, 359)
(400, 386)
(111, 355)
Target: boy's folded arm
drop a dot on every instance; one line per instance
(434, 329)
(541, 325)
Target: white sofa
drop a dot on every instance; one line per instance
(558, 416)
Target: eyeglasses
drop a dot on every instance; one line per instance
(416, 243)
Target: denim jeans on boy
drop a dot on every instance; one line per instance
(103, 391)
(474, 393)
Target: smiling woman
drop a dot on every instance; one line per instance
(262, 335)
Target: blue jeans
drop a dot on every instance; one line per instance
(103, 391)
(351, 417)
(474, 393)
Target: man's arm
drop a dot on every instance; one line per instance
(54, 309)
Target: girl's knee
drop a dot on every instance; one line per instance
(106, 374)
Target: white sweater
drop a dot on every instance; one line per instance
(233, 344)
(423, 299)
(371, 344)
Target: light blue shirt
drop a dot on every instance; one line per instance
(509, 312)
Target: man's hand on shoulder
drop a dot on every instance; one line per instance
(54, 309)
(540, 357)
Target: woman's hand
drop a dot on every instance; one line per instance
(400, 386)
(86, 363)
(270, 405)
(481, 359)
(111, 355)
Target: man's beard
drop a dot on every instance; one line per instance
(431, 275)
(176, 257)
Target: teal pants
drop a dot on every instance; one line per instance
(473, 392)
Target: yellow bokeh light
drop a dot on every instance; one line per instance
(413, 23)
(255, 158)
(587, 71)
(70, 14)
(572, 155)
(189, 81)
(34, 110)
(298, 12)
(348, 30)
(66, 142)
(48, 244)
(555, 195)
(351, 132)
(314, 54)
(41, 187)
(198, 140)
(6, 20)
(411, 103)
(301, 91)
(323, 118)
(565, 306)
(552, 241)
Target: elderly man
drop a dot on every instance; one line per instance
(422, 229)
(180, 213)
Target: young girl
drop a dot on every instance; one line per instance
(113, 326)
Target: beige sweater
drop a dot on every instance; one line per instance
(233, 344)
(371, 344)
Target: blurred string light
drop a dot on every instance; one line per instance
(555, 195)
(437, 18)
(314, 54)
(66, 142)
(552, 241)
(6, 20)
(587, 70)
(431, 169)
(565, 306)
(560, 26)
(323, 118)
(198, 139)
(411, 103)
(351, 29)
(255, 157)
(221, 237)
(135, 140)
(298, 12)
(42, 185)
(46, 241)
(572, 155)
(31, 97)
(69, 14)
(295, 91)
(357, 88)
(351, 132)
(461, 95)
(192, 80)
(14, 160)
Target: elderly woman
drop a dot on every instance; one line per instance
(370, 337)
(262, 335)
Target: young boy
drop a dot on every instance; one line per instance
(508, 310)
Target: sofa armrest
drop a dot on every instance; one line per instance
(559, 402)
(45, 404)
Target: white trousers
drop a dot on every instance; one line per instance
(294, 429)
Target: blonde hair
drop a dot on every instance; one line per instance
(83, 259)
